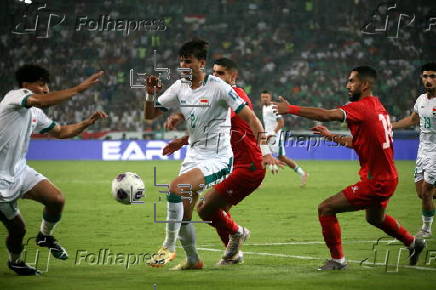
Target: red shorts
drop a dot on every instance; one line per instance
(240, 183)
(367, 193)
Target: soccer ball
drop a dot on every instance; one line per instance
(127, 187)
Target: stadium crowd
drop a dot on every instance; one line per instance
(297, 49)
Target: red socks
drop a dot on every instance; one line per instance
(223, 223)
(394, 229)
(332, 235)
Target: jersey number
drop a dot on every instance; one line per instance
(427, 122)
(388, 130)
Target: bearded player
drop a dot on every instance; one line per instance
(371, 138)
(424, 114)
(245, 178)
(20, 115)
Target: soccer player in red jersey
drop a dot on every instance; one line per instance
(248, 173)
(371, 138)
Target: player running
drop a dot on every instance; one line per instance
(371, 138)
(245, 178)
(274, 124)
(205, 105)
(20, 115)
(424, 113)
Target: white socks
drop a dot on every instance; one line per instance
(174, 213)
(427, 221)
(47, 227)
(299, 170)
(341, 260)
(187, 239)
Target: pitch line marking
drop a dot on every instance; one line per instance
(315, 258)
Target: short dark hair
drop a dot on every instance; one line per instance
(265, 92)
(366, 72)
(196, 47)
(429, 66)
(227, 63)
(31, 73)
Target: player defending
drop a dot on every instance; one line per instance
(20, 115)
(276, 138)
(424, 113)
(209, 156)
(246, 176)
(371, 138)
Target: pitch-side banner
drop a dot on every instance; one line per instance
(113, 150)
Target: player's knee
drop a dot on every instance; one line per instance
(323, 209)
(57, 199)
(175, 188)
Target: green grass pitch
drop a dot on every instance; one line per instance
(283, 252)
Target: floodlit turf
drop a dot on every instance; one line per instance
(283, 252)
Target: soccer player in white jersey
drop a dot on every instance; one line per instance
(274, 124)
(424, 114)
(205, 106)
(20, 115)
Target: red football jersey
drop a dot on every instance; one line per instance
(246, 152)
(371, 128)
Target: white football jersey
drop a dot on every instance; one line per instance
(17, 122)
(426, 109)
(206, 111)
(270, 119)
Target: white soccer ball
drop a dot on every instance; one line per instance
(127, 187)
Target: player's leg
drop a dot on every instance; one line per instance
(376, 216)
(215, 208)
(183, 189)
(280, 151)
(428, 209)
(53, 200)
(14, 223)
(331, 229)
(180, 190)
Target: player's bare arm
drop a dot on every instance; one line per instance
(406, 122)
(153, 86)
(50, 99)
(337, 138)
(318, 114)
(175, 145)
(69, 131)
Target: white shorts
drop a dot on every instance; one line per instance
(426, 168)
(214, 168)
(276, 144)
(10, 192)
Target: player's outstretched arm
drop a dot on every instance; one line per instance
(69, 131)
(318, 114)
(153, 86)
(406, 122)
(46, 100)
(346, 141)
(175, 145)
